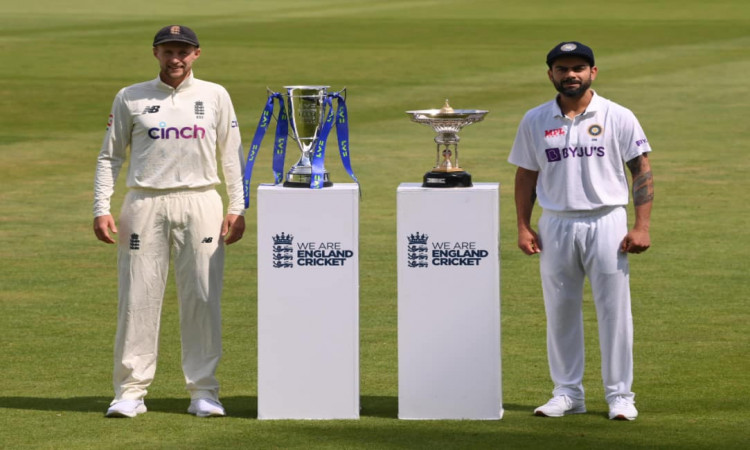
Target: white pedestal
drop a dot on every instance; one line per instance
(449, 302)
(308, 302)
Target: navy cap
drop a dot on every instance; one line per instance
(176, 33)
(571, 48)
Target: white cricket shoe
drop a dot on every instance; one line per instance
(559, 406)
(205, 407)
(126, 408)
(622, 408)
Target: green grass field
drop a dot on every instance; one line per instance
(681, 66)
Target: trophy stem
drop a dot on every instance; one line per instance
(447, 158)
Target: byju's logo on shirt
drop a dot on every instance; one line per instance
(558, 154)
(165, 132)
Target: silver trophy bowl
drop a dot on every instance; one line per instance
(305, 108)
(447, 122)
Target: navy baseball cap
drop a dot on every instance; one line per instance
(176, 33)
(570, 48)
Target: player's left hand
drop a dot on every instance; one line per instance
(636, 241)
(233, 228)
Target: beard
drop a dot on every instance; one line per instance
(572, 92)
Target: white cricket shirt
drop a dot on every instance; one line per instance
(174, 135)
(581, 161)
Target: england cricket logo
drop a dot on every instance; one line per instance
(417, 250)
(200, 109)
(282, 251)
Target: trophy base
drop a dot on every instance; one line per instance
(303, 180)
(447, 179)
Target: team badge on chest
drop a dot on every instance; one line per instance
(595, 130)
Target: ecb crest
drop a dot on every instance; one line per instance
(283, 251)
(417, 250)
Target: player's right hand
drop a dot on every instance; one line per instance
(528, 241)
(102, 226)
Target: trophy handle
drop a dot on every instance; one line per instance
(342, 91)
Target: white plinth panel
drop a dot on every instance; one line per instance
(308, 302)
(449, 363)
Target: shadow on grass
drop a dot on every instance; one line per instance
(236, 406)
(239, 406)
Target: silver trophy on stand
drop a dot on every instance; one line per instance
(447, 122)
(306, 108)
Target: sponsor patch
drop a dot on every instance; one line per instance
(165, 132)
(558, 154)
(553, 154)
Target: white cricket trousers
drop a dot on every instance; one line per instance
(152, 224)
(576, 245)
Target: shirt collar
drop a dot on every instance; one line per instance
(594, 106)
(186, 83)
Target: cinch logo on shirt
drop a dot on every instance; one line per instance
(558, 154)
(164, 132)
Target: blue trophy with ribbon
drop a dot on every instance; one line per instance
(307, 114)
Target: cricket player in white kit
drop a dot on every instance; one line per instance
(174, 126)
(571, 154)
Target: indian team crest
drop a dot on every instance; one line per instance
(569, 47)
(595, 130)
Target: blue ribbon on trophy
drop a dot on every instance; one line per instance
(310, 115)
(318, 155)
(282, 127)
(341, 121)
(342, 134)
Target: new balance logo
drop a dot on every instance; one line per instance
(151, 109)
(207, 240)
(135, 242)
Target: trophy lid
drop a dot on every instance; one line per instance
(447, 116)
(307, 91)
(307, 86)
